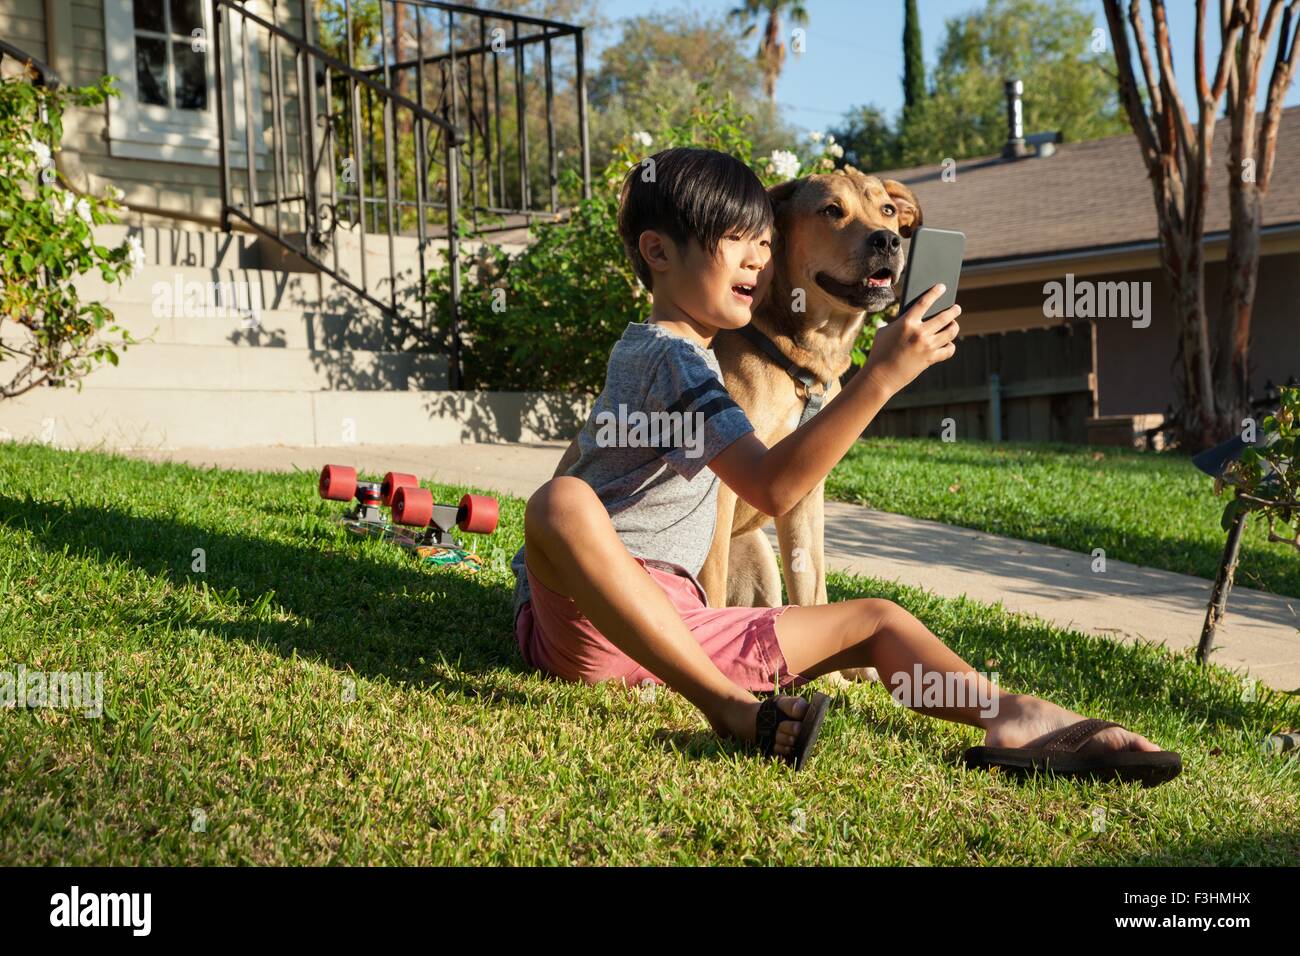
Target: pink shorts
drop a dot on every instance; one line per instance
(556, 637)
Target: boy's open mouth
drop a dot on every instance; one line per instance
(743, 292)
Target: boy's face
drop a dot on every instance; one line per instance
(710, 293)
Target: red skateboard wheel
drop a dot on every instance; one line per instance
(394, 480)
(413, 505)
(338, 482)
(477, 514)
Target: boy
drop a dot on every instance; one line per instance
(606, 586)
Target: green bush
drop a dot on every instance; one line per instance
(545, 318)
(1266, 478)
(45, 242)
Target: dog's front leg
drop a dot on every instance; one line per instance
(801, 533)
(803, 563)
(713, 576)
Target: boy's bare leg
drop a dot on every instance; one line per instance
(869, 632)
(572, 548)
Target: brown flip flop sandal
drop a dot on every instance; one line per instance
(1059, 753)
(770, 715)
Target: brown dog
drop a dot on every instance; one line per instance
(837, 254)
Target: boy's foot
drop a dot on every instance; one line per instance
(739, 722)
(1024, 720)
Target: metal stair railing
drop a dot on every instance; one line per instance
(365, 126)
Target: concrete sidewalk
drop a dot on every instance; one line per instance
(1259, 636)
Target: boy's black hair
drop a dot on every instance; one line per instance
(687, 193)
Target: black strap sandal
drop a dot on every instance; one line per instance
(770, 717)
(1058, 752)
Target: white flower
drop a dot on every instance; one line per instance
(836, 150)
(135, 255)
(83, 210)
(785, 163)
(40, 151)
(113, 193)
(642, 138)
(829, 140)
(815, 136)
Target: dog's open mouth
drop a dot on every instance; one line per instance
(875, 291)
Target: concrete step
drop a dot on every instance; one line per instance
(273, 328)
(203, 248)
(202, 292)
(160, 419)
(194, 289)
(169, 366)
(207, 248)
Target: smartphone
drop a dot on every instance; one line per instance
(934, 257)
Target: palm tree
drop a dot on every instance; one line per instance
(771, 51)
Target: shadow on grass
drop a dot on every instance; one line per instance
(376, 619)
(426, 629)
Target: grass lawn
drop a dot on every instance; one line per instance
(1150, 509)
(322, 699)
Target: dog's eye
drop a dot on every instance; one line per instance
(888, 210)
(834, 210)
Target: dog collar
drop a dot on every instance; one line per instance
(813, 401)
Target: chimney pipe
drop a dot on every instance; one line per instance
(1015, 147)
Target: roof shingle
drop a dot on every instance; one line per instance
(1088, 195)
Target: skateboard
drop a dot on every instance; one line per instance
(416, 523)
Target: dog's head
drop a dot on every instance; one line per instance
(839, 236)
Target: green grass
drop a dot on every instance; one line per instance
(1149, 509)
(229, 692)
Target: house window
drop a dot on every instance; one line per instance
(169, 71)
(168, 108)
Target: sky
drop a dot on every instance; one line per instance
(854, 50)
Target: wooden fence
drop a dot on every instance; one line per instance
(1033, 385)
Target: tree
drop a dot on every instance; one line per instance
(649, 76)
(1214, 361)
(913, 60)
(771, 51)
(869, 142)
(1042, 42)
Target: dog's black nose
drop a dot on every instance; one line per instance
(884, 240)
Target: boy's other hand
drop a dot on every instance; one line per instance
(906, 347)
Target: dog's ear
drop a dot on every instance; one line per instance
(780, 194)
(909, 210)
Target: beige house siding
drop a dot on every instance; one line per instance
(80, 56)
(22, 23)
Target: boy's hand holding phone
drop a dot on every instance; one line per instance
(909, 345)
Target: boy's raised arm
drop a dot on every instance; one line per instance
(775, 479)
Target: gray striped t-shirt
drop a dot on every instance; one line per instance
(662, 417)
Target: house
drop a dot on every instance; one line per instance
(1042, 230)
(293, 183)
